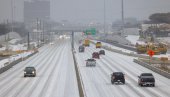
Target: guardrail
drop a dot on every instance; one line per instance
(159, 71)
(78, 76)
(5, 68)
(120, 45)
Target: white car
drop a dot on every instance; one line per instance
(51, 43)
(91, 62)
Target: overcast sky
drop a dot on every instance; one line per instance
(91, 10)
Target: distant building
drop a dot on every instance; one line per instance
(36, 9)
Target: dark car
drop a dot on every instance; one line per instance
(81, 48)
(102, 52)
(117, 77)
(95, 55)
(146, 79)
(91, 62)
(29, 71)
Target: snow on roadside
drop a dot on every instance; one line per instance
(134, 39)
(14, 57)
(114, 47)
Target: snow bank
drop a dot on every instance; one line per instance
(14, 57)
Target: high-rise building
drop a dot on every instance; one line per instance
(36, 9)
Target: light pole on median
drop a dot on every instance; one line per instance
(122, 17)
(105, 18)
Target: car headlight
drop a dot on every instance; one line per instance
(24, 71)
(32, 71)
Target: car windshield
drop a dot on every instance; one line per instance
(29, 68)
(146, 74)
(118, 74)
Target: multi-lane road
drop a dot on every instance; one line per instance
(56, 75)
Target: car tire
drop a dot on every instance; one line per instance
(153, 85)
(123, 82)
(141, 85)
(112, 81)
(24, 75)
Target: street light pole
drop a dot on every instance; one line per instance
(123, 17)
(105, 18)
(12, 15)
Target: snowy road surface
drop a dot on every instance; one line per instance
(97, 80)
(55, 74)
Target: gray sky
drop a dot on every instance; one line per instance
(91, 10)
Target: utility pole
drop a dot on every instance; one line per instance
(43, 32)
(123, 17)
(7, 38)
(105, 18)
(28, 41)
(37, 33)
(72, 40)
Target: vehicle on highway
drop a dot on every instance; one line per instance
(81, 48)
(95, 55)
(117, 77)
(86, 42)
(51, 43)
(98, 45)
(29, 71)
(102, 52)
(90, 62)
(146, 79)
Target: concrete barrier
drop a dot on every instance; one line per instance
(5, 68)
(157, 70)
(78, 76)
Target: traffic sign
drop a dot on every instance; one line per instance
(91, 31)
(151, 53)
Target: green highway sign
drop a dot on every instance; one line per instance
(91, 31)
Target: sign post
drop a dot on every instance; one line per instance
(150, 53)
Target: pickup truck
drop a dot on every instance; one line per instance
(146, 79)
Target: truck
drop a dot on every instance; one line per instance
(146, 79)
(86, 42)
(163, 48)
(144, 48)
(98, 45)
(141, 49)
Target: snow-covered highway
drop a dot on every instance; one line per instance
(55, 74)
(97, 80)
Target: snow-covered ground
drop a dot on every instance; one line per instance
(134, 39)
(14, 57)
(114, 47)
